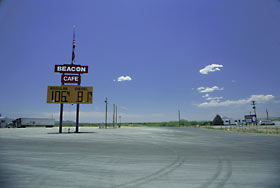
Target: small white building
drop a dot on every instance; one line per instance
(231, 121)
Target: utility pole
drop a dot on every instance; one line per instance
(61, 117)
(114, 115)
(106, 102)
(77, 118)
(120, 117)
(254, 107)
(179, 122)
(266, 114)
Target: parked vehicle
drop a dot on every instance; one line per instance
(266, 122)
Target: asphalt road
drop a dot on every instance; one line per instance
(138, 157)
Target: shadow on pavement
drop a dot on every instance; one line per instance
(72, 133)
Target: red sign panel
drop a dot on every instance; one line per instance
(71, 79)
(76, 69)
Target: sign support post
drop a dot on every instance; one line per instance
(77, 116)
(61, 118)
(61, 114)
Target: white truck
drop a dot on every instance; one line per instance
(34, 122)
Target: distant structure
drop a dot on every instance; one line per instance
(33, 122)
(5, 122)
(231, 121)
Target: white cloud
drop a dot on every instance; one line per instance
(214, 98)
(210, 68)
(257, 98)
(123, 78)
(261, 98)
(206, 95)
(209, 89)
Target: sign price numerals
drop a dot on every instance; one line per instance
(69, 94)
(63, 96)
(81, 96)
(60, 96)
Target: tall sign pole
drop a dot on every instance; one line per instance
(77, 118)
(73, 60)
(74, 46)
(61, 116)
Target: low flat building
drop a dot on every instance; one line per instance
(231, 121)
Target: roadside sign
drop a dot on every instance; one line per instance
(69, 94)
(71, 79)
(69, 68)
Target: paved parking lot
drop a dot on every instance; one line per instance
(138, 157)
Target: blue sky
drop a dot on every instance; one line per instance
(166, 47)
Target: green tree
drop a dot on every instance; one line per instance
(218, 120)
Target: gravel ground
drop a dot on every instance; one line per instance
(138, 157)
